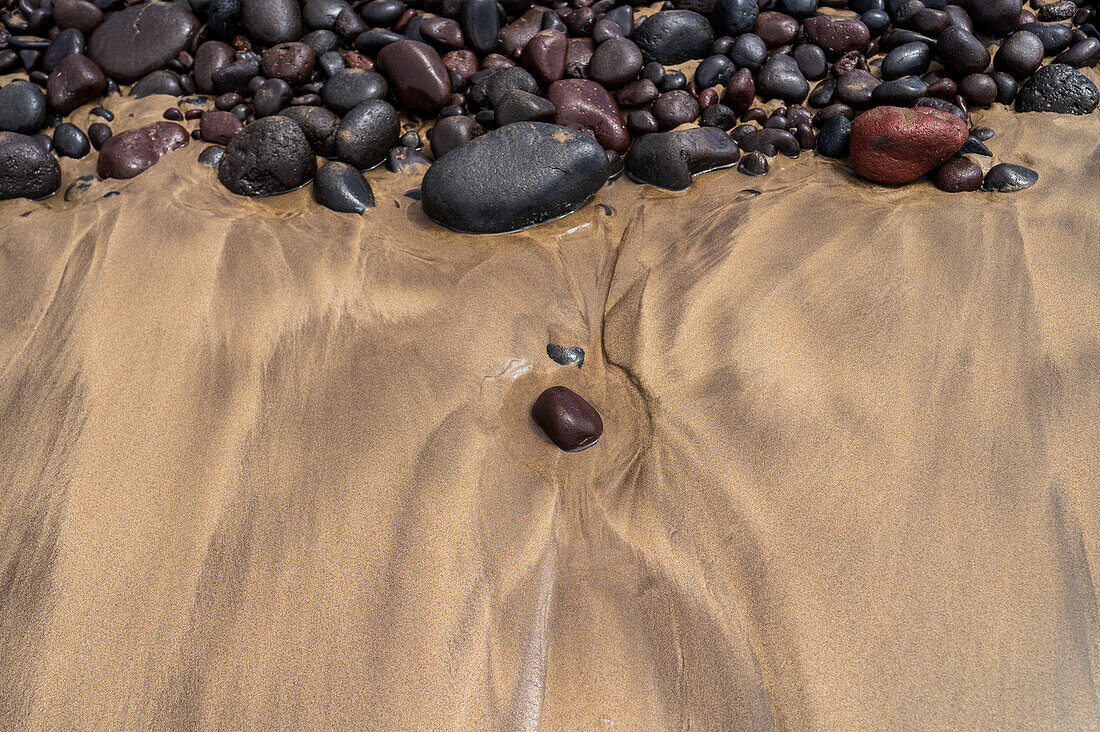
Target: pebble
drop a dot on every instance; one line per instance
(771, 142)
(974, 146)
(1057, 88)
(79, 14)
(902, 92)
(740, 92)
(568, 420)
(670, 159)
(961, 52)
(780, 78)
(544, 55)
(98, 133)
(1058, 10)
(637, 93)
(754, 163)
(1009, 178)
(367, 133)
(713, 71)
(1055, 37)
(675, 108)
(272, 96)
(674, 36)
(513, 177)
(995, 17)
(480, 24)
(734, 17)
(69, 141)
(566, 355)
(210, 57)
(349, 88)
(342, 188)
(811, 61)
(268, 157)
(219, 127)
(857, 88)
(131, 153)
(979, 90)
(319, 125)
(521, 106)
(957, 175)
(749, 52)
(837, 37)
(22, 107)
(587, 107)
(908, 59)
(416, 74)
(443, 33)
(453, 132)
(67, 43)
(616, 62)
(406, 160)
(1081, 54)
(161, 81)
(26, 169)
(272, 21)
(895, 145)
(834, 136)
(212, 155)
(292, 62)
(1019, 55)
(141, 39)
(487, 90)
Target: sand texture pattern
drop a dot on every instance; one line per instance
(265, 466)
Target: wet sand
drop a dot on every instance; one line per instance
(267, 466)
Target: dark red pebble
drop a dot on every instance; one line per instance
(957, 175)
(130, 153)
(568, 420)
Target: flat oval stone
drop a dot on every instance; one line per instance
(670, 159)
(961, 52)
(674, 36)
(349, 88)
(416, 74)
(895, 145)
(1009, 178)
(566, 355)
(615, 62)
(141, 39)
(79, 14)
(1020, 54)
(268, 157)
(131, 153)
(272, 21)
(367, 133)
(342, 188)
(908, 59)
(480, 25)
(26, 169)
(513, 177)
(586, 106)
(22, 107)
(1058, 88)
(568, 420)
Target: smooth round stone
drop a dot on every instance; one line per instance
(811, 61)
(79, 14)
(342, 188)
(67, 43)
(131, 153)
(272, 96)
(900, 92)
(957, 175)
(877, 21)
(291, 62)
(219, 127)
(857, 88)
(162, 81)
(22, 107)
(637, 93)
(26, 169)
(587, 107)
(1057, 88)
(236, 76)
(895, 145)
(480, 25)
(674, 36)
(780, 78)
(979, 90)
(349, 88)
(734, 17)
(544, 55)
(1019, 55)
(837, 37)
(513, 177)
(671, 159)
(521, 106)
(641, 122)
(753, 163)
(1081, 54)
(444, 33)
(272, 21)
(995, 17)
(69, 141)
(616, 62)
(223, 19)
(268, 157)
(1054, 36)
(212, 155)
(367, 133)
(834, 136)
(98, 133)
(322, 14)
(487, 90)
(382, 12)
(453, 132)
(713, 71)
(568, 420)
(566, 355)
(675, 108)
(908, 59)
(961, 52)
(416, 74)
(210, 57)
(749, 52)
(776, 29)
(1009, 178)
(136, 41)
(771, 142)
(319, 125)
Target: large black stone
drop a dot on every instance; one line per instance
(670, 159)
(674, 36)
(27, 170)
(1058, 88)
(269, 156)
(516, 176)
(140, 39)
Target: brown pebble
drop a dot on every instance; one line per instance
(174, 114)
(544, 56)
(219, 127)
(568, 420)
(76, 80)
(130, 153)
(740, 92)
(463, 63)
(637, 93)
(675, 108)
(444, 33)
(587, 107)
(291, 62)
(776, 29)
(79, 14)
(193, 114)
(1061, 10)
(957, 175)
(753, 163)
(978, 90)
(707, 98)
(356, 60)
(416, 75)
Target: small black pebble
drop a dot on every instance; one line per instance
(566, 355)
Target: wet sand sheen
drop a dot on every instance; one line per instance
(269, 466)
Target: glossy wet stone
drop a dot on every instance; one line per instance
(586, 106)
(544, 55)
(566, 355)
(272, 21)
(962, 53)
(219, 127)
(26, 169)
(342, 188)
(513, 177)
(521, 106)
(319, 125)
(268, 157)
(1009, 178)
(906, 60)
(161, 81)
(132, 152)
(957, 175)
(349, 88)
(98, 133)
(406, 160)
(416, 74)
(753, 163)
(453, 132)
(771, 142)
(674, 36)
(834, 136)
(22, 107)
(568, 420)
(367, 133)
(671, 159)
(780, 78)
(79, 14)
(615, 62)
(1058, 88)
(70, 141)
(141, 39)
(212, 155)
(734, 17)
(837, 36)
(1019, 55)
(894, 145)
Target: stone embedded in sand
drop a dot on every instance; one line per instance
(366, 133)
(272, 21)
(1058, 88)
(75, 81)
(753, 163)
(566, 355)
(1009, 178)
(514, 177)
(568, 420)
(70, 141)
(268, 157)
(416, 74)
(131, 153)
(674, 36)
(587, 107)
(675, 108)
(140, 39)
(957, 175)
(342, 188)
(670, 159)
(27, 170)
(895, 145)
(22, 107)
(834, 136)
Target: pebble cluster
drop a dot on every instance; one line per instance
(532, 108)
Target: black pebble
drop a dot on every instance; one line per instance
(1058, 88)
(566, 355)
(834, 137)
(70, 141)
(367, 133)
(342, 188)
(212, 155)
(1009, 178)
(22, 107)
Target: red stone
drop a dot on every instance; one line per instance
(895, 145)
